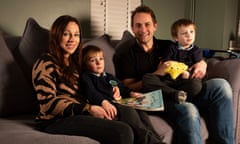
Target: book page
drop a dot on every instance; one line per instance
(151, 101)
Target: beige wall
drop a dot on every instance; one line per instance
(166, 11)
(215, 19)
(14, 13)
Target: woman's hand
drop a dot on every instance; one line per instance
(116, 93)
(109, 108)
(98, 112)
(199, 69)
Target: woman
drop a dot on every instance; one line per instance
(63, 110)
(55, 79)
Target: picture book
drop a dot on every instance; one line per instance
(151, 101)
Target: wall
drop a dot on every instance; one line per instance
(14, 13)
(166, 11)
(216, 19)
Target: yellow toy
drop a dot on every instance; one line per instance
(175, 69)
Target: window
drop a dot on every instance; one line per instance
(111, 16)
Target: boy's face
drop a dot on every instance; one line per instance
(185, 36)
(95, 62)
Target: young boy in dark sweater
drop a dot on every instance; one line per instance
(101, 88)
(184, 87)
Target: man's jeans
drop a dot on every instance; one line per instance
(215, 104)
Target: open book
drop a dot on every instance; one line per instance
(151, 101)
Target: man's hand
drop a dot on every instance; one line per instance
(161, 68)
(199, 69)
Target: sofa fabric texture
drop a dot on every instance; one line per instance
(15, 94)
(18, 104)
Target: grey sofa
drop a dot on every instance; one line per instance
(18, 104)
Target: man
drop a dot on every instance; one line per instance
(134, 60)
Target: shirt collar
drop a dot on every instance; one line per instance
(100, 75)
(182, 48)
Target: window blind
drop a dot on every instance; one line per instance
(111, 16)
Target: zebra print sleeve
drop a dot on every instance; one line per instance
(53, 94)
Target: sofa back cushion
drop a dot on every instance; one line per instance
(127, 38)
(34, 42)
(126, 41)
(15, 93)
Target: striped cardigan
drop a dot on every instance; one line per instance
(56, 97)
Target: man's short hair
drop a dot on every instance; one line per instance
(143, 9)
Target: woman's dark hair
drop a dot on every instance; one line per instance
(55, 49)
(143, 9)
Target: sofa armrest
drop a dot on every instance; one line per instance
(228, 69)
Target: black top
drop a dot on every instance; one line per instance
(97, 88)
(131, 61)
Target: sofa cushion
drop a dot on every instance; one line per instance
(15, 93)
(33, 43)
(103, 42)
(12, 42)
(126, 39)
(228, 69)
(22, 132)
